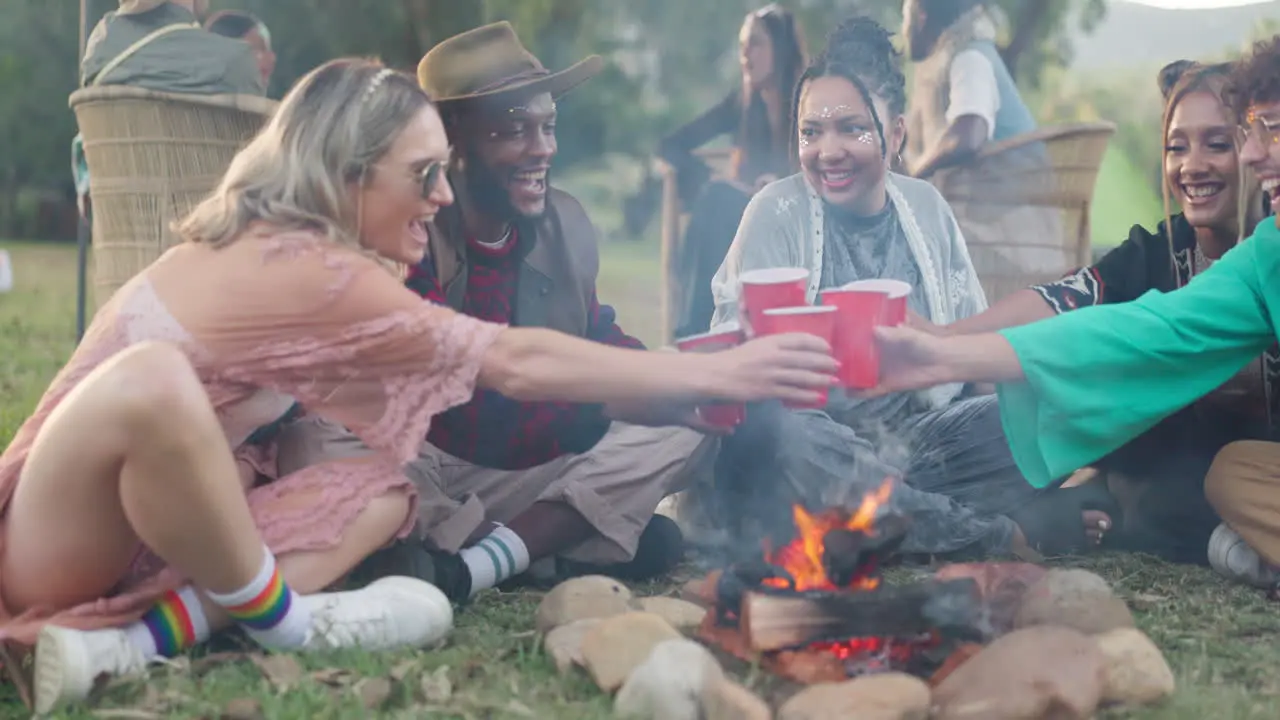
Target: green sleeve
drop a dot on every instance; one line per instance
(1100, 376)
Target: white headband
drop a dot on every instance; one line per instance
(375, 83)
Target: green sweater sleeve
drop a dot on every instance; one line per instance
(1100, 376)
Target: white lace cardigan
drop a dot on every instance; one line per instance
(783, 227)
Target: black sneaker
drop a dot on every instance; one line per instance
(412, 559)
(660, 550)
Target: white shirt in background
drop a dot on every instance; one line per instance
(973, 89)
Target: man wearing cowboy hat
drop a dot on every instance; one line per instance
(572, 486)
(159, 45)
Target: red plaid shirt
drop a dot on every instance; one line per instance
(493, 430)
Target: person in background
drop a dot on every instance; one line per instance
(1077, 387)
(159, 45)
(847, 217)
(244, 26)
(772, 56)
(962, 95)
(506, 485)
(1159, 476)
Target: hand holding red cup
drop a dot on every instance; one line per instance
(819, 320)
(863, 306)
(718, 414)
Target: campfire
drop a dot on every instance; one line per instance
(816, 610)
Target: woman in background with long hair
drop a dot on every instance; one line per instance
(757, 115)
(1158, 477)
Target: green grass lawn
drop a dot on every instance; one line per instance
(1222, 641)
(1122, 198)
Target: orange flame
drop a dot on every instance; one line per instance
(802, 557)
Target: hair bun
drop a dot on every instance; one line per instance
(855, 33)
(1170, 74)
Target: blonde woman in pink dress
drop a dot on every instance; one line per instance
(133, 517)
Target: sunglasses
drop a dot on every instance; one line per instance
(430, 175)
(1267, 132)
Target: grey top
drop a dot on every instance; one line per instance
(192, 61)
(785, 225)
(867, 248)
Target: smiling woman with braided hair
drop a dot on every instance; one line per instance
(847, 217)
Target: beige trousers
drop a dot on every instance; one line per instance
(1243, 485)
(616, 486)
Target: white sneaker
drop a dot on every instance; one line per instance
(1232, 557)
(69, 661)
(393, 612)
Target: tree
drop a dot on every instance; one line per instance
(668, 59)
(35, 122)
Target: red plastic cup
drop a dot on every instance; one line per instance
(817, 320)
(771, 288)
(895, 310)
(858, 312)
(720, 414)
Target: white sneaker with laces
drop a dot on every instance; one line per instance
(1232, 557)
(392, 612)
(69, 661)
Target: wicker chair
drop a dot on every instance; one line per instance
(674, 218)
(1023, 205)
(152, 156)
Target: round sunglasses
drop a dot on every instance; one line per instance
(430, 175)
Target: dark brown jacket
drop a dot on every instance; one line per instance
(557, 281)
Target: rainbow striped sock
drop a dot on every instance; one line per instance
(172, 625)
(268, 610)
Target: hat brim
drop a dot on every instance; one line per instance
(557, 83)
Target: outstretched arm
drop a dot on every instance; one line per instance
(537, 364)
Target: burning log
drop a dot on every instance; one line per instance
(772, 620)
(849, 555)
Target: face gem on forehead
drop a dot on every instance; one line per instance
(826, 113)
(534, 107)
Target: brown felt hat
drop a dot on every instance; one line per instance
(489, 61)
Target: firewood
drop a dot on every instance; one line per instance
(778, 620)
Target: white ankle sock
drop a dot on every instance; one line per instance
(268, 609)
(500, 555)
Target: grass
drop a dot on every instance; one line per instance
(1122, 198)
(1223, 641)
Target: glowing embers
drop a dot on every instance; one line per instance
(816, 610)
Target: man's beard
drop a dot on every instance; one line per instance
(488, 192)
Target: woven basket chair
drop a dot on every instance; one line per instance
(674, 218)
(1028, 222)
(152, 157)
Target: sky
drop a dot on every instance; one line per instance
(1192, 4)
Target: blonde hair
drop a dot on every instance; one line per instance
(1178, 80)
(334, 124)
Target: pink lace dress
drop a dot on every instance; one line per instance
(264, 321)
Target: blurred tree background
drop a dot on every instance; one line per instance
(669, 60)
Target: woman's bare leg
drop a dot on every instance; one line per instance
(134, 453)
(312, 571)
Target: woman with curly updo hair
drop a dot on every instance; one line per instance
(847, 217)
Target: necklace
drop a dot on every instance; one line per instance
(506, 235)
(1201, 262)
